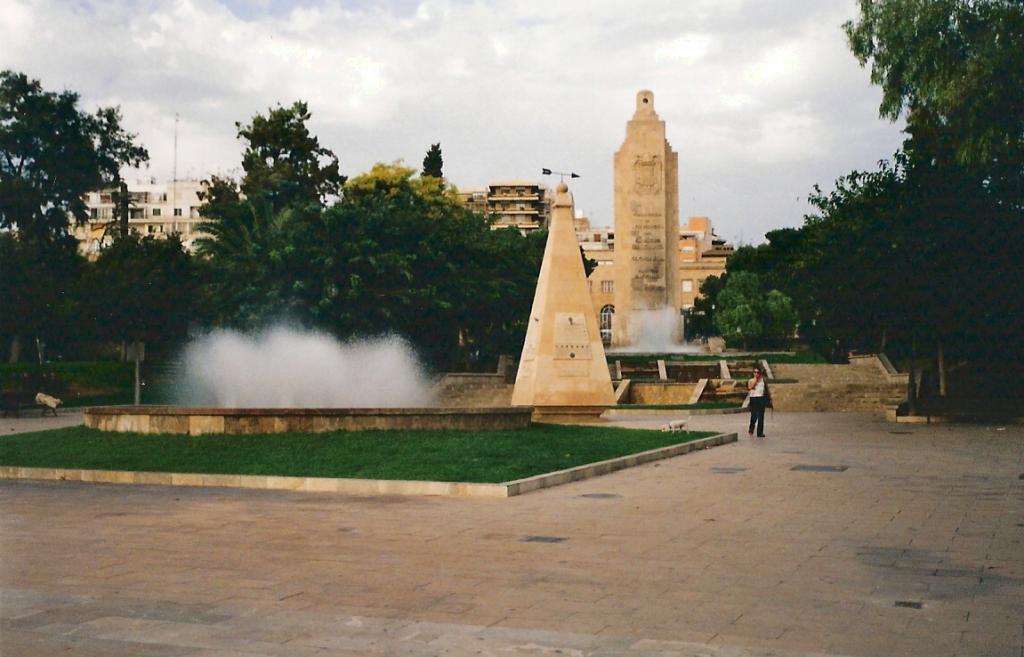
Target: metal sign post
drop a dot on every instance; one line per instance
(137, 353)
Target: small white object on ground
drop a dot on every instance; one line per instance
(675, 425)
(48, 401)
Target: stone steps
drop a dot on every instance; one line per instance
(862, 385)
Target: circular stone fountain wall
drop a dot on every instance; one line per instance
(195, 421)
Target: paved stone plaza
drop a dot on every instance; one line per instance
(725, 552)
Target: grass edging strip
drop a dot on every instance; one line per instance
(581, 472)
(368, 486)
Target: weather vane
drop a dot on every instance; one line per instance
(547, 172)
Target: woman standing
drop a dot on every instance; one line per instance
(760, 399)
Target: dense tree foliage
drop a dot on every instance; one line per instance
(395, 253)
(700, 322)
(39, 293)
(283, 163)
(433, 163)
(52, 153)
(956, 64)
(141, 288)
(923, 254)
(746, 314)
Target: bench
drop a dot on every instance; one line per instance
(15, 402)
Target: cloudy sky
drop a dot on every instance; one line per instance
(761, 97)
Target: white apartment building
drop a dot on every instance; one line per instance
(154, 209)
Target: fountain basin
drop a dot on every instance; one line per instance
(195, 421)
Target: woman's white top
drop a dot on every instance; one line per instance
(758, 389)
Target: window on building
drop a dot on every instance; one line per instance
(606, 315)
(94, 213)
(150, 229)
(607, 287)
(688, 286)
(156, 212)
(136, 213)
(177, 212)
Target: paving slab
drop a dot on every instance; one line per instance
(34, 420)
(725, 552)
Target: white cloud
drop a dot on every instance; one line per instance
(757, 96)
(687, 48)
(17, 26)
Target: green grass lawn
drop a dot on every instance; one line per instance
(489, 457)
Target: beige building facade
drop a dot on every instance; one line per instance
(699, 254)
(158, 209)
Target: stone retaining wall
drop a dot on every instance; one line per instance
(659, 394)
(459, 390)
(195, 421)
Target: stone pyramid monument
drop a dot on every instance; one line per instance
(563, 373)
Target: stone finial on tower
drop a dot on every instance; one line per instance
(645, 105)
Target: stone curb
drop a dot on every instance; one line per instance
(366, 486)
(581, 472)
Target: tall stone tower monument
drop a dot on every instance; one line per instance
(563, 373)
(646, 222)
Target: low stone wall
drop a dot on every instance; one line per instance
(660, 394)
(195, 421)
(462, 390)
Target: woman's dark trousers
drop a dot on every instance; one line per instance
(757, 405)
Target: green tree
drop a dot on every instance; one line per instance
(39, 293)
(955, 69)
(52, 153)
(701, 321)
(141, 288)
(396, 254)
(256, 262)
(780, 317)
(433, 163)
(415, 261)
(738, 322)
(746, 314)
(959, 62)
(285, 164)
